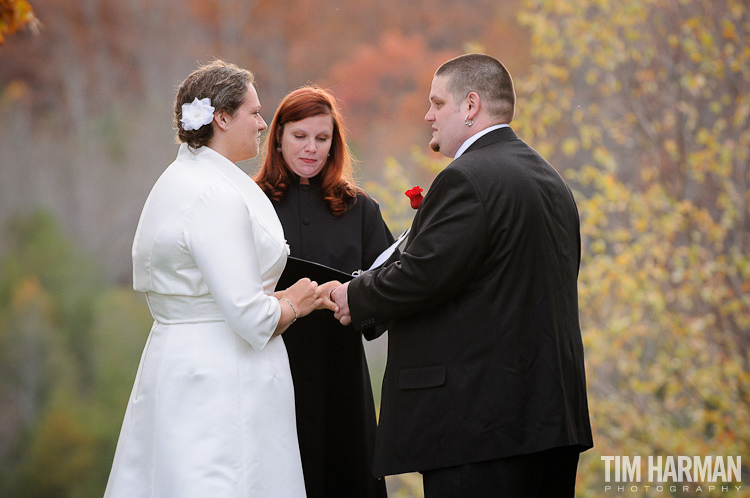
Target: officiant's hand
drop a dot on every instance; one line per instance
(341, 313)
(324, 293)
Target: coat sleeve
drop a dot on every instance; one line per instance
(446, 245)
(219, 235)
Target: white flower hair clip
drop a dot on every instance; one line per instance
(197, 114)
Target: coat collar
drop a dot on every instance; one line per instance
(500, 135)
(215, 161)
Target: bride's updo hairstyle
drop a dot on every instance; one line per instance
(224, 83)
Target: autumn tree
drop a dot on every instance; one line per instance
(383, 89)
(14, 15)
(645, 105)
(69, 349)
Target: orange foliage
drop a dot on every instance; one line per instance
(14, 15)
(385, 87)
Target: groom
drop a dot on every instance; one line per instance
(484, 390)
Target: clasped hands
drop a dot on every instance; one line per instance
(335, 299)
(307, 296)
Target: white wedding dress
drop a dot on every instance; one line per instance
(211, 414)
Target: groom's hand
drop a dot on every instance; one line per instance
(339, 296)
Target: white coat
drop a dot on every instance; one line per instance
(211, 414)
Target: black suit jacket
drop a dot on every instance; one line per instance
(485, 358)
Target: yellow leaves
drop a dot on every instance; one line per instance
(737, 8)
(716, 107)
(589, 136)
(692, 23)
(14, 15)
(570, 147)
(14, 91)
(599, 246)
(728, 30)
(738, 63)
(741, 115)
(664, 286)
(670, 146)
(27, 291)
(694, 82)
(621, 229)
(561, 8)
(578, 116)
(707, 40)
(603, 157)
(62, 449)
(29, 297)
(602, 4)
(592, 77)
(557, 71)
(640, 225)
(545, 149)
(586, 175)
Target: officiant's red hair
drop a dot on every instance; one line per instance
(336, 183)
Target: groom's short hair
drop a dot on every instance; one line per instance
(486, 76)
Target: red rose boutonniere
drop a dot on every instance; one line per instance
(415, 196)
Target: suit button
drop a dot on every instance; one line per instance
(305, 221)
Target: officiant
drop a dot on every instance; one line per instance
(327, 219)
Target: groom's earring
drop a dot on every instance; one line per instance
(468, 122)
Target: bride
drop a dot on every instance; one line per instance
(211, 413)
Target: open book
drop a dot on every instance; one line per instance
(297, 268)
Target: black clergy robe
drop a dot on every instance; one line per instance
(333, 395)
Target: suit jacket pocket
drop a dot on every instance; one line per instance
(418, 378)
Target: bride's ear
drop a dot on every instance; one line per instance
(220, 118)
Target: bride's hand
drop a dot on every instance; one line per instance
(303, 295)
(324, 293)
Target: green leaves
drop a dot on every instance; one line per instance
(69, 349)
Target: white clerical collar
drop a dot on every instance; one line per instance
(476, 137)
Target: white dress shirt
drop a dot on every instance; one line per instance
(476, 137)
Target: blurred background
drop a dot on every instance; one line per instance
(643, 106)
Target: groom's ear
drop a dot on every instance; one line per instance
(474, 102)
